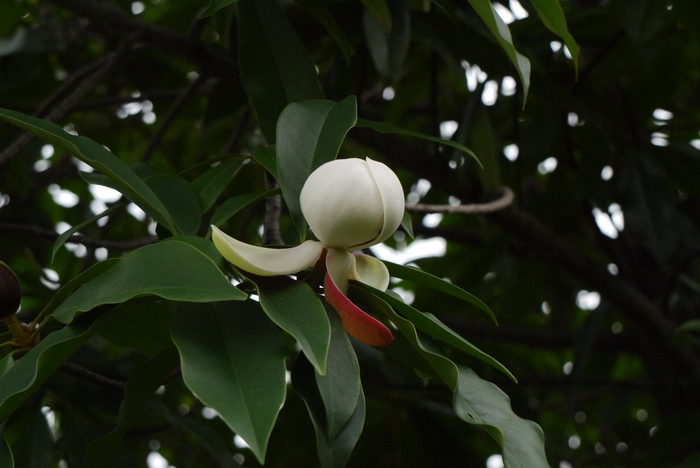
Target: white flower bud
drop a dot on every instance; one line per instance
(352, 203)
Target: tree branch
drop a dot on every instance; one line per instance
(99, 379)
(16, 228)
(504, 200)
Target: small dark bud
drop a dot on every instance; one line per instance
(10, 292)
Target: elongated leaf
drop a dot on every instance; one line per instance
(380, 11)
(173, 270)
(65, 235)
(426, 279)
(6, 457)
(142, 326)
(233, 359)
(140, 387)
(332, 27)
(181, 201)
(388, 47)
(266, 157)
(213, 182)
(335, 401)
(477, 401)
(233, 205)
(383, 127)
(28, 373)
(431, 326)
(295, 308)
(275, 66)
(309, 134)
(500, 30)
(553, 18)
(98, 157)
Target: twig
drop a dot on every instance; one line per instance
(76, 238)
(505, 199)
(99, 379)
(273, 211)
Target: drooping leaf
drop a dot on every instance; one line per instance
(37, 365)
(275, 66)
(424, 278)
(266, 157)
(553, 18)
(335, 401)
(140, 387)
(172, 270)
(61, 240)
(331, 25)
(431, 326)
(141, 325)
(480, 402)
(500, 30)
(214, 181)
(380, 12)
(295, 308)
(309, 134)
(388, 46)
(233, 360)
(383, 127)
(6, 457)
(98, 157)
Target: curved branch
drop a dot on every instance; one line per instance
(503, 201)
(76, 238)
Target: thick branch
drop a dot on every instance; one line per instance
(504, 200)
(76, 238)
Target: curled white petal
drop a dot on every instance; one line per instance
(392, 198)
(265, 261)
(339, 262)
(371, 271)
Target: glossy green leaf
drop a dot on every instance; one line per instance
(295, 308)
(500, 30)
(266, 157)
(211, 184)
(214, 6)
(233, 205)
(98, 157)
(480, 402)
(424, 278)
(140, 387)
(309, 134)
(432, 326)
(37, 365)
(335, 401)
(172, 270)
(388, 47)
(553, 18)
(275, 66)
(233, 360)
(383, 127)
(6, 457)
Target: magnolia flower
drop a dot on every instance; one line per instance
(350, 204)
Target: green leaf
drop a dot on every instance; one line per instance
(265, 156)
(140, 387)
(65, 235)
(233, 205)
(27, 374)
(432, 326)
(6, 457)
(332, 27)
(407, 224)
(389, 47)
(424, 278)
(553, 18)
(172, 270)
(309, 134)
(335, 401)
(383, 127)
(477, 401)
(214, 6)
(500, 30)
(141, 325)
(380, 12)
(233, 360)
(275, 66)
(211, 184)
(98, 157)
(295, 308)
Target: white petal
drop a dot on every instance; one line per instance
(339, 262)
(265, 261)
(392, 198)
(371, 271)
